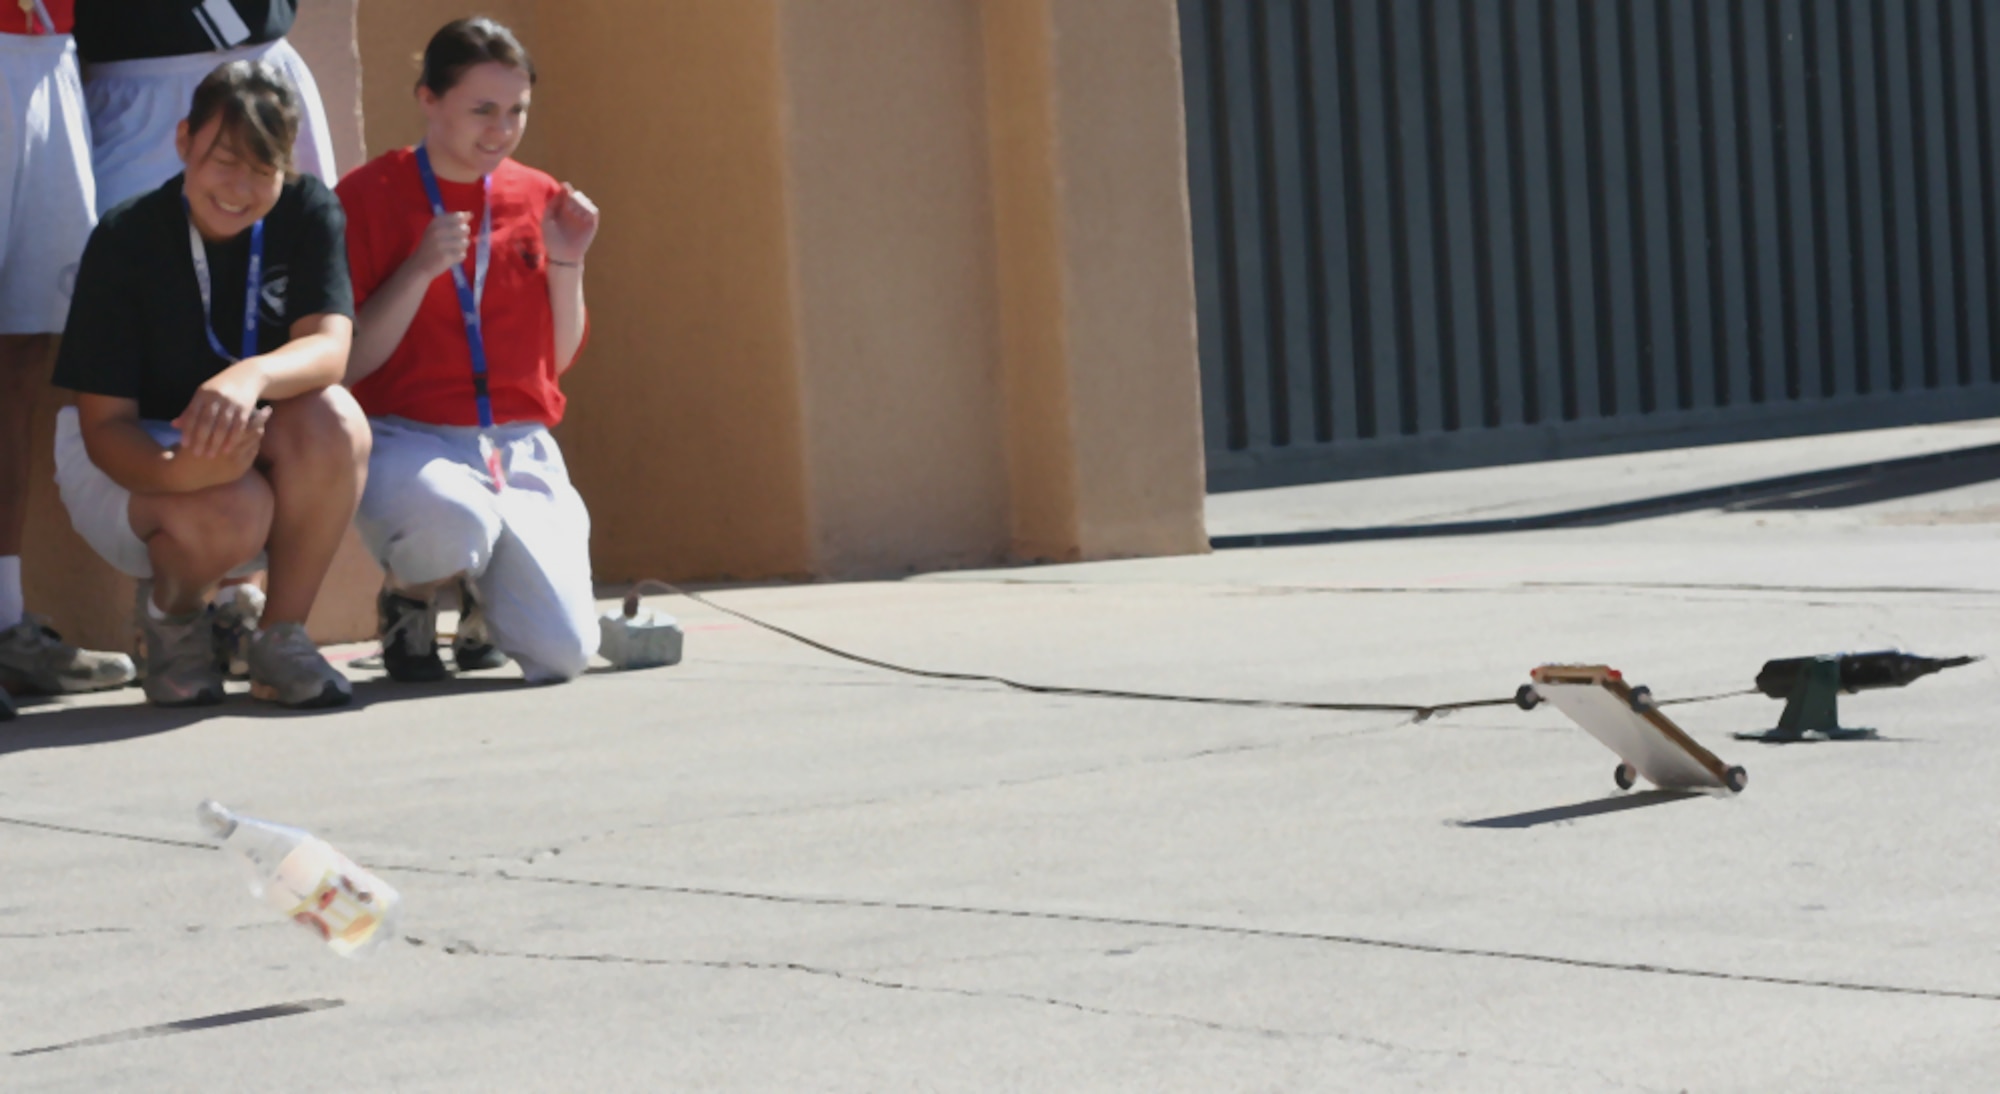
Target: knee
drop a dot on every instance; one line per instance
(231, 521)
(563, 657)
(444, 539)
(323, 428)
(558, 649)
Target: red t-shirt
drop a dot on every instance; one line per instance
(429, 376)
(15, 21)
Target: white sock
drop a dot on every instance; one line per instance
(10, 591)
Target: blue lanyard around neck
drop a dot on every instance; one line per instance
(470, 292)
(253, 284)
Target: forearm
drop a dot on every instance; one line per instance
(381, 323)
(566, 304)
(303, 365)
(130, 457)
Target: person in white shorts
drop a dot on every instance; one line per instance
(206, 342)
(468, 285)
(47, 208)
(142, 60)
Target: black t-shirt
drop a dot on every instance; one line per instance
(125, 30)
(134, 328)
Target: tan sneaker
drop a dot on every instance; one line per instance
(180, 659)
(288, 669)
(34, 658)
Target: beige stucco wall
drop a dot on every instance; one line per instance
(1127, 271)
(882, 285)
(684, 426)
(892, 250)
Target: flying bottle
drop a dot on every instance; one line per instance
(305, 880)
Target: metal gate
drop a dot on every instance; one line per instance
(1434, 233)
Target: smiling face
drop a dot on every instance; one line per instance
(227, 189)
(479, 122)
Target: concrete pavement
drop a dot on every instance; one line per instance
(769, 869)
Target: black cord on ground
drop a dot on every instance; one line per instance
(1418, 712)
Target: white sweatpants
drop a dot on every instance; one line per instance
(429, 513)
(50, 203)
(136, 105)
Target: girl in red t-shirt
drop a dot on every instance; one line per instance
(468, 285)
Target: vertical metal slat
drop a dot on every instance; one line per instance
(1291, 367)
(1501, 291)
(1459, 243)
(1695, 384)
(1969, 231)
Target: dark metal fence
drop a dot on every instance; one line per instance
(1433, 233)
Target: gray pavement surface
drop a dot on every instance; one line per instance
(770, 869)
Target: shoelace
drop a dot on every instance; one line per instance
(189, 640)
(471, 616)
(40, 627)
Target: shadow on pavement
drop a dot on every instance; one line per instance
(75, 727)
(193, 1025)
(1590, 808)
(1834, 488)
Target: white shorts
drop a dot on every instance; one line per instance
(430, 513)
(101, 509)
(136, 105)
(50, 204)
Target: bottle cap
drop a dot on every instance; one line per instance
(219, 821)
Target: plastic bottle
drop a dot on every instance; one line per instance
(307, 881)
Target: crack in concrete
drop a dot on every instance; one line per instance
(1751, 587)
(1269, 933)
(1129, 949)
(12, 936)
(1217, 929)
(470, 949)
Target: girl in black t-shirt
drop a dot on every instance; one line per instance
(207, 337)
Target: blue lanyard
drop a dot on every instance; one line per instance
(48, 23)
(253, 284)
(469, 292)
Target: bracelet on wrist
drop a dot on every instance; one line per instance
(577, 265)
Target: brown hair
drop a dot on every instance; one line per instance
(259, 109)
(465, 43)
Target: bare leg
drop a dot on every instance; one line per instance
(194, 540)
(315, 455)
(32, 656)
(24, 362)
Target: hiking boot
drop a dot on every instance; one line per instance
(234, 615)
(472, 648)
(34, 658)
(408, 628)
(287, 668)
(180, 657)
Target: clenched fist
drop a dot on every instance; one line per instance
(446, 242)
